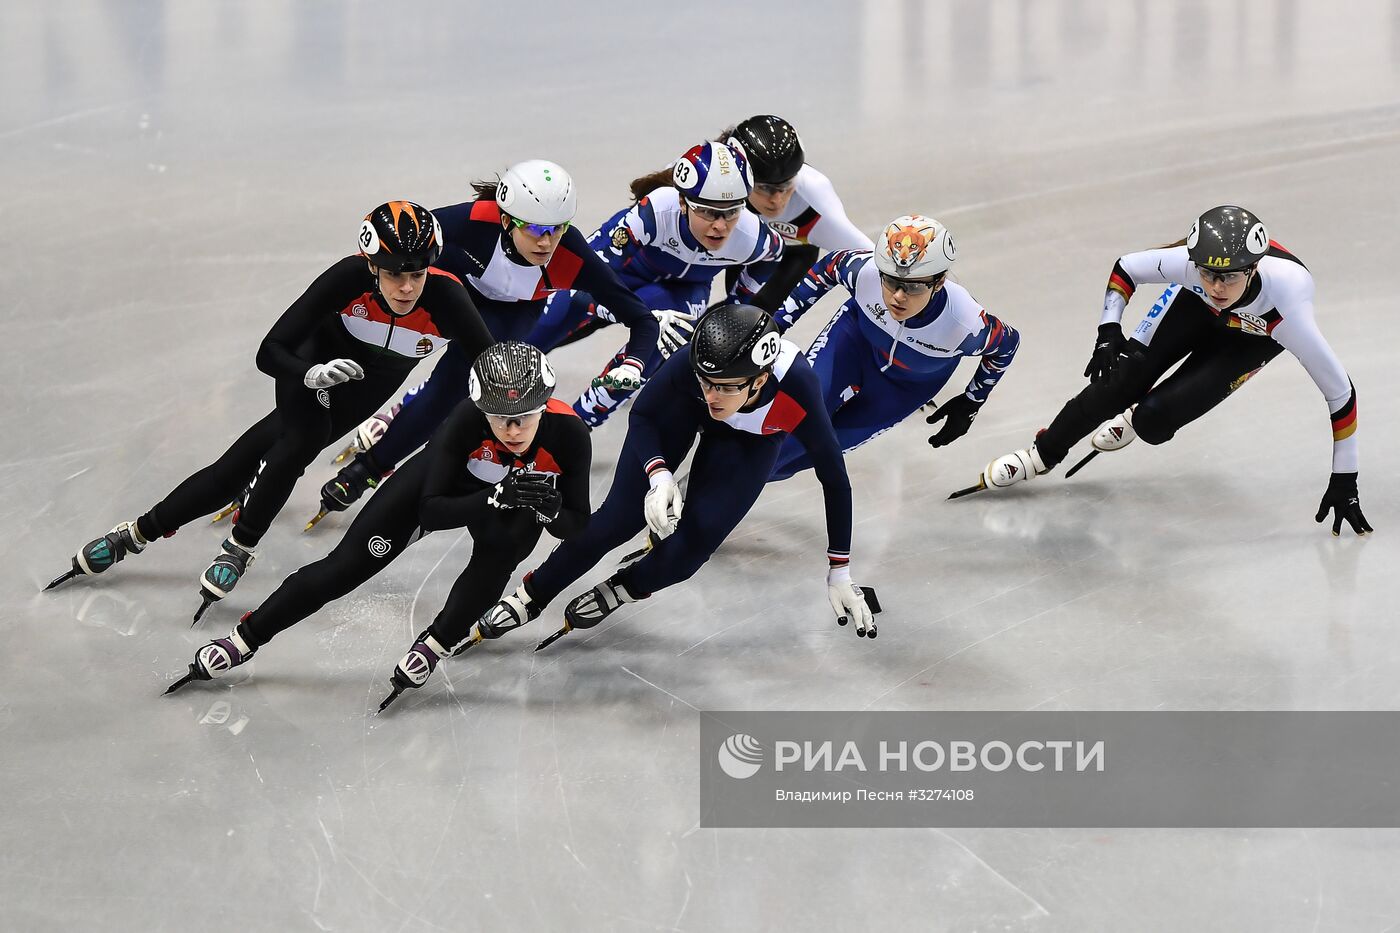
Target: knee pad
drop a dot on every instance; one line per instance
(1151, 424)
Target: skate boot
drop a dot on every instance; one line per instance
(217, 658)
(1013, 468)
(511, 612)
(97, 556)
(345, 488)
(1115, 434)
(414, 668)
(588, 609)
(370, 431)
(223, 574)
(1112, 435)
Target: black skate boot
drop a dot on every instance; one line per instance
(588, 609)
(217, 658)
(414, 668)
(223, 574)
(342, 491)
(511, 612)
(97, 556)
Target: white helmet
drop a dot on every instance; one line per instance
(714, 172)
(537, 192)
(915, 247)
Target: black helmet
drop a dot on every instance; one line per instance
(511, 378)
(774, 150)
(401, 236)
(734, 342)
(1227, 239)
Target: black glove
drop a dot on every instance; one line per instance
(1341, 495)
(349, 484)
(526, 490)
(1106, 350)
(537, 491)
(959, 410)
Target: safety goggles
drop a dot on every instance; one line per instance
(723, 388)
(539, 230)
(763, 187)
(1224, 278)
(710, 213)
(521, 419)
(909, 287)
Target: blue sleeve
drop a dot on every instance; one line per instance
(816, 434)
(997, 345)
(622, 235)
(668, 399)
(839, 268)
(598, 279)
(463, 250)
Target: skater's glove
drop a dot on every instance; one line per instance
(676, 329)
(960, 411)
(625, 377)
(1106, 349)
(1341, 496)
(508, 493)
(848, 602)
(325, 375)
(541, 496)
(662, 505)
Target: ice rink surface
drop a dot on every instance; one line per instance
(176, 173)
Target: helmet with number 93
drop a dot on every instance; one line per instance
(734, 342)
(713, 173)
(1227, 239)
(400, 236)
(915, 247)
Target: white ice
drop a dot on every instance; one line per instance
(177, 172)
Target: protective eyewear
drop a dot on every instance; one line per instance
(908, 286)
(1224, 278)
(506, 421)
(539, 230)
(763, 187)
(724, 388)
(707, 212)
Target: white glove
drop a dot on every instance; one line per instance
(624, 377)
(325, 375)
(662, 505)
(676, 329)
(848, 602)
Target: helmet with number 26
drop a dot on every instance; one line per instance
(734, 342)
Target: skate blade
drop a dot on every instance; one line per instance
(315, 519)
(389, 699)
(345, 454)
(192, 675)
(641, 552)
(224, 513)
(1081, 464)
(65, 577)
(199, 613)
(555, 637)
(981, 485)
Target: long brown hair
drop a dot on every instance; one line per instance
(641, 187)
(1180, 242)
(485, 190)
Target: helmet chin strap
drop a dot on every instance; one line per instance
(508, 243)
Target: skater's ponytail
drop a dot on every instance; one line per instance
(662, 178)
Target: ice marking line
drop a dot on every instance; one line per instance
(563, 795)
(389, 900)
(67, 118)
(1328, 149)
(1038, 906)
(662, 689)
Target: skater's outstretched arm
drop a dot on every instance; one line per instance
(333, 289)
